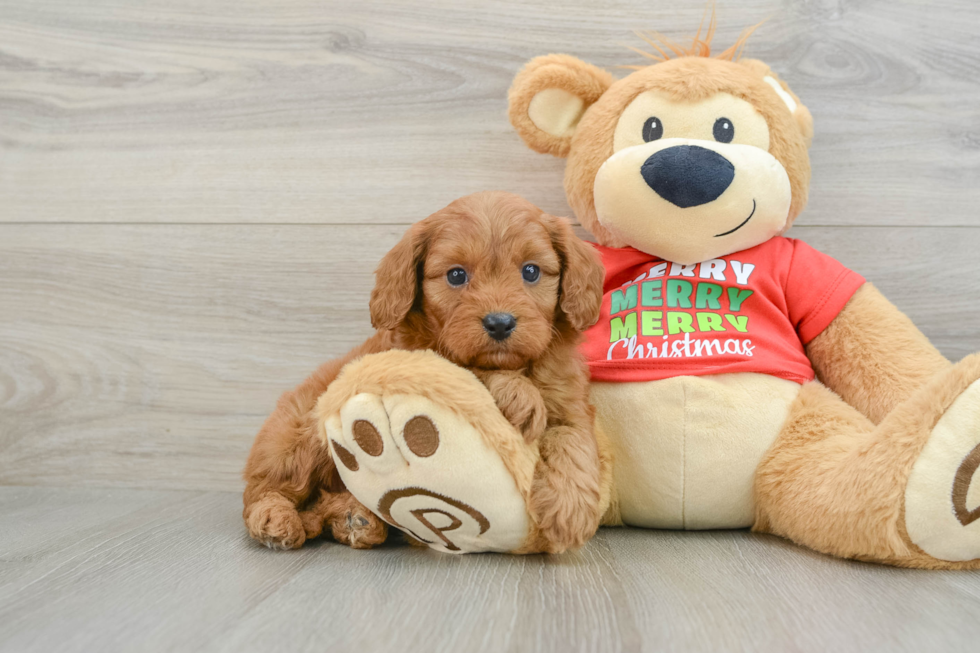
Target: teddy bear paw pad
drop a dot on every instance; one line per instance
(427, 471)
(942, 497)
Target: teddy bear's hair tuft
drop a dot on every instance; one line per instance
(700, 45)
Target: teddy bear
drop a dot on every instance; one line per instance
(742, 378)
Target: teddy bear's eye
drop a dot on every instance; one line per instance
(724, 130)
(456, 277)
(652, 129)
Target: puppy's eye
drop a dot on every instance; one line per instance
(724, 130)
(456, 277)
(530, 272)
(652, 129)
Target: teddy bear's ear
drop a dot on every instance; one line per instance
(802, 115)
(548, 98)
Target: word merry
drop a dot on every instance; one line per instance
(651, 323)
(678, 295)
(713, 269)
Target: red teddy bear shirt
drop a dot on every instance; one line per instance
(751, 311)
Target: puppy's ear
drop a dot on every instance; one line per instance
(548, 98)
(396, 279)
(582, 274)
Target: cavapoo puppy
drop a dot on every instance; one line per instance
(498, 287)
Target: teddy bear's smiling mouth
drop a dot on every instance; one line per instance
(744, 222)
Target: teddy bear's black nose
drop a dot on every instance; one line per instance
(688, 175)
(499, 325)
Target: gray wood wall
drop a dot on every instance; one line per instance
(193, 195)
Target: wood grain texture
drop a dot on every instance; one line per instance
(193, 197)
(149, 355)
(107, 570)
(377, 111)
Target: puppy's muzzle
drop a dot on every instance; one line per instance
(688, 175)
(499, 325)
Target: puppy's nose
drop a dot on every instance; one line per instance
(499, 325)
(688, 175)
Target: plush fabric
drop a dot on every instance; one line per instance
(879, 459)
(952, 450)
(685, 449)
(873, 356)
(582, 84)
(437, 458)
(687, 78)
(837, 483)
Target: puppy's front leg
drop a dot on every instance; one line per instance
(565, 493)
(518, 399)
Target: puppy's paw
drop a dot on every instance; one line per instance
(358, 527)
(530, 418)
(567, 515)
(520, 402)
(274, 522)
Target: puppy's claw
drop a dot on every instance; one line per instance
(274, 522)
(359, 531)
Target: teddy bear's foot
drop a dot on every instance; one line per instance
(427, 471)
(420, 465)
(904, 492)
(942, 497)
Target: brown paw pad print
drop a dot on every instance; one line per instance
(427, 471)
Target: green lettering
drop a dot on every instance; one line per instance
(710, 322)
(740, 322)
(679, 322)
(651, 323)
(679, 293)
(708, 294)
(651, 294)
(622, 329)
(620, 302)
(736, 297)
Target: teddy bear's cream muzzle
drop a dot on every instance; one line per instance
(690, 200)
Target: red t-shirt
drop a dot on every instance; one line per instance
(751, 311)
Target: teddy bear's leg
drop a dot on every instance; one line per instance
(421, 443)
(904, 492)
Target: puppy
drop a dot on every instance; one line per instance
(496, 286)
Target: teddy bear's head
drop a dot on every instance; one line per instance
(688, 159)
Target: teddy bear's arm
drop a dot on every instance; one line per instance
(872, 355)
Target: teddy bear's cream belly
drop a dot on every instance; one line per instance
(686, 449)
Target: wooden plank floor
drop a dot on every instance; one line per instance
(193, 197)
(379, 111)
(149, 570)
